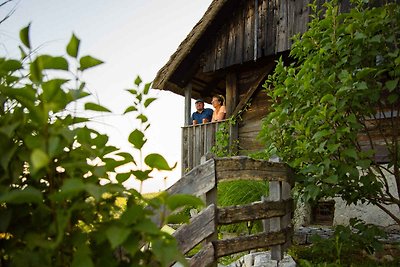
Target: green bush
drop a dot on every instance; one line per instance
(344, 248)
(337, 105)
(58, 204)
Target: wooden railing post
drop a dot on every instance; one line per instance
(278, 191)
(211, 199)
(275, 224)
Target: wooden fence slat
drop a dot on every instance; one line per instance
(197, 182)
(254, 211)
(204, 257)
(261, 240)
(200, 227)
(244, 168)
(275, 224)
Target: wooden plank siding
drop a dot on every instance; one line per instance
(256, 29)
(250, 123)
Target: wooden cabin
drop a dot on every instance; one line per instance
(231, 51)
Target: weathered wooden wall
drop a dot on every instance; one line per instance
(257, 29)
(250, 125)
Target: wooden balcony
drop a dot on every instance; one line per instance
(197, 142)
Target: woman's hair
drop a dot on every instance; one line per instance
(220, 98)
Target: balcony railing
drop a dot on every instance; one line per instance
(197, 142)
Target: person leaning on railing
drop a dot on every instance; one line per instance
(220, 110)
(201, 115)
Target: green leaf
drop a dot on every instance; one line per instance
(132, 91)
(11, 65)
(138, 81)
(328, 98)
(50, 62)
(82, 260)
(333, 179)
(137, 139)
(350, 152)
(148, 101)
(143, 118)
(156, 161)
(22, 51)
(333, 147)
(96, 107)
(73, 46)
(51, 88)
(178, 218)
(117, 235)
(95, 191)
(87, 62)
(181, 200)
(9, 129)
(146, 88)
(39, 159)
(147, 226)
(142, 175)
(364, 163)
(24, 36)
(392, 98)
(27, 195)
(130, 109)
(35, 71)
(122, 177)
(392, 84)
(320, 134)
(72, 187)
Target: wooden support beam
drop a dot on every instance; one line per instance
(232, 94)
(188, 104)
(261, 76)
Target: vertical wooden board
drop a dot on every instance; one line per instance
(221, 49)
(190, 147)
(196, 146)
(275, 224)
(205, 137)
(282, 34)
(224, 45)
(249, 32)
(261, 31)
(240, 36)
(184, 149)
(231, 93)
(232, 39)
(270, 29)
(210, 140)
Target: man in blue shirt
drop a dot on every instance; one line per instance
(201, 115)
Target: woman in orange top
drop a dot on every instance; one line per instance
(220, 110)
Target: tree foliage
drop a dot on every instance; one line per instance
(337, 105)
(58, 204)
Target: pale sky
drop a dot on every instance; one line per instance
(132, 37)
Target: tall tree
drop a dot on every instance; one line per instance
(336, 108)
